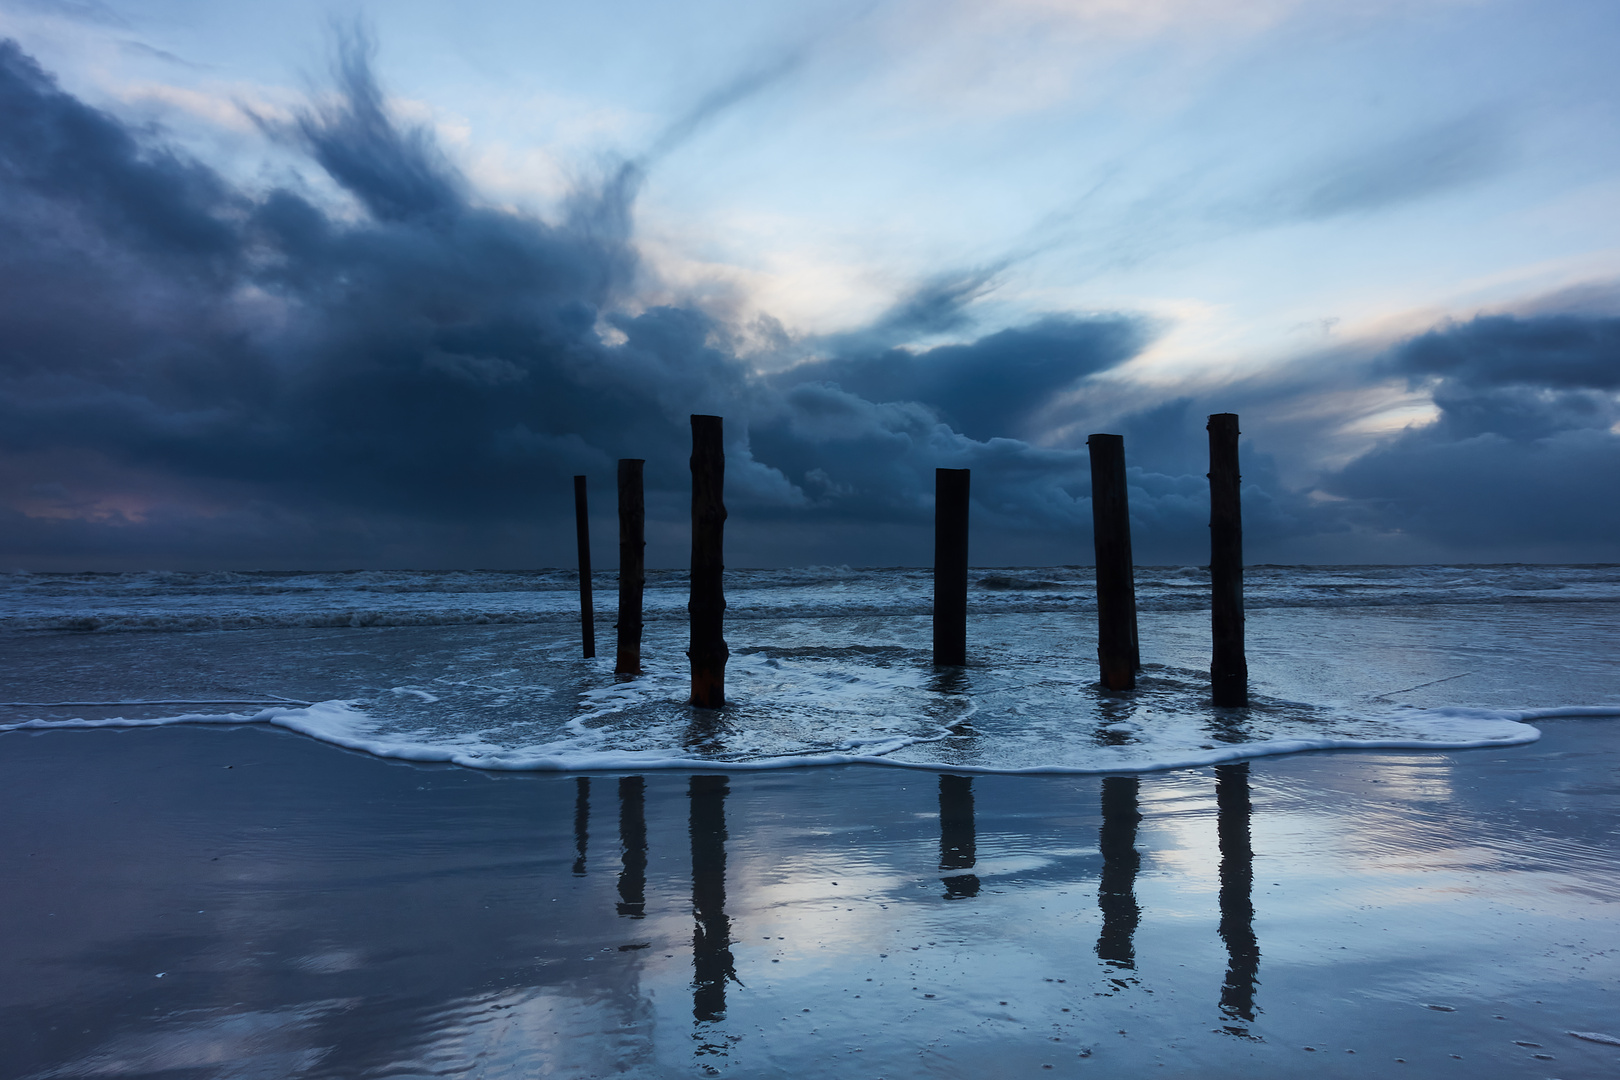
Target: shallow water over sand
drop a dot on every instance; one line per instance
(842, 689)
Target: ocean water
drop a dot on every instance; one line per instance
(829, 665)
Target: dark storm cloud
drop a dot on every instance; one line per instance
(194, 372)
(993, 386)
(1523, 460)
(174, 344)
(1567, 351)
(56, 151)
(397, 172)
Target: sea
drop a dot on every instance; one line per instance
(829, 665)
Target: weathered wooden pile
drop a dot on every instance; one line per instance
(1119, 655)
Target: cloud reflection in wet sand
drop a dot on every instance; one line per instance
(803, 923)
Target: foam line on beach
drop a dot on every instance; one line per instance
(126, 703)
(341, 724)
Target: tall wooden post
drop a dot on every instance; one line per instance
(582, 534)
(1118, 656)
(950, 565)
(1228, 669)
(632, 566)
(707, 607)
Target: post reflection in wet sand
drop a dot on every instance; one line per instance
(712, 963)
(633, 847)
(582, 822)
(1116, 889)
(331, 915)
(957, 837)
(1237, 904)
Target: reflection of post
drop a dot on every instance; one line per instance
(712, 964)
(1116, 892)
(1237, 887)
(582, 822)
(633, 847)
(957, 836)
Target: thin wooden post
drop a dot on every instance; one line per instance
(950, 565)
(1118, 655)
(1228, 669)
(632, 566)
(707, 607)
(582, 534)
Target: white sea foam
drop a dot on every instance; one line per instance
(795, 712)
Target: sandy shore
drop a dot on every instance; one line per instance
(248, 903)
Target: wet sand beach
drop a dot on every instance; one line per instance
(245, 902)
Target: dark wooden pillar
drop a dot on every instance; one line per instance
(1118, 656)
(706, 608)
(950, 565)
(1228, 669)
(582, 534)
(632, 566)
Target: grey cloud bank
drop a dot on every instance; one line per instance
(194, 374)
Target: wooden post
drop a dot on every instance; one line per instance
(582, 534)
(707, 607)
(1118, 656)
(1228, 669)
(950, 565)
(632, 566)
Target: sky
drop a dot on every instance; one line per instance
(316, 285)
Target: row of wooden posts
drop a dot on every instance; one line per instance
(1119, 655)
